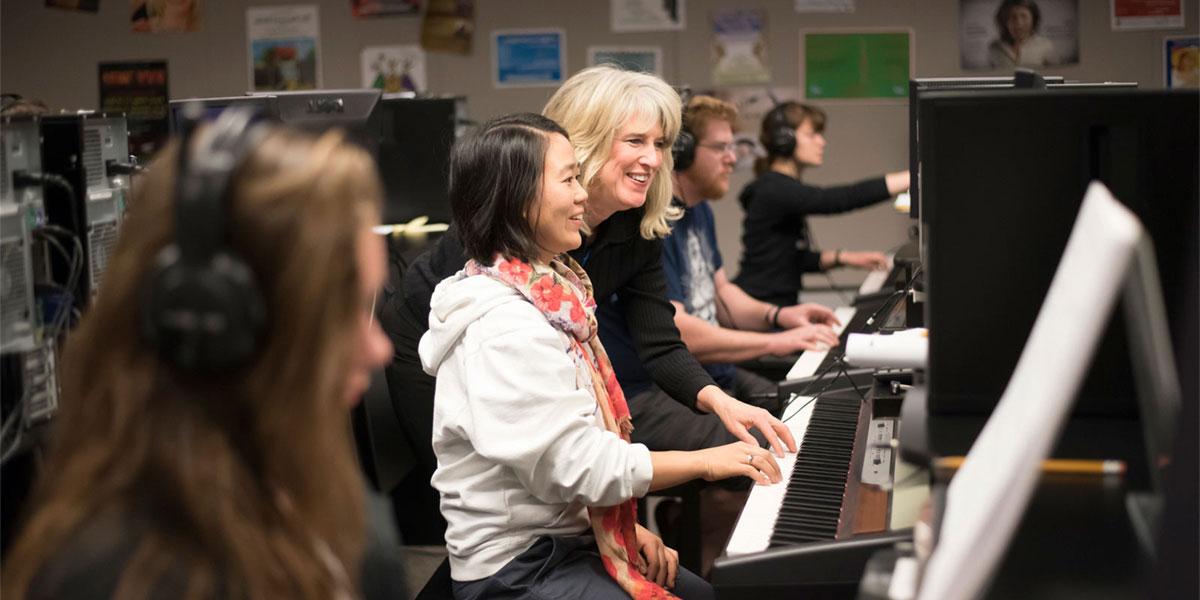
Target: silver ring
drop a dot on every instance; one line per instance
(749, 459)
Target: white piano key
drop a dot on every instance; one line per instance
(811, 359)
(875, 279)
(873, 283)
(757, 521)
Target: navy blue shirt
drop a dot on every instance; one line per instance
(690, 260)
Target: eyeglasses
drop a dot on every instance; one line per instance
(731, 147)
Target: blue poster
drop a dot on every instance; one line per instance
(528, 58)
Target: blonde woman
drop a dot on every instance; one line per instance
(233, 477)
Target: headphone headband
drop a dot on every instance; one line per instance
(203, 309)
(779, 136)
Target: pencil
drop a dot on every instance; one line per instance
(1050, 465)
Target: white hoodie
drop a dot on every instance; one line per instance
(520, 442)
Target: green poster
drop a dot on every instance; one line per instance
(856, 65)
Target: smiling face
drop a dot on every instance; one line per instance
(810, 145)
(371, 347)
(557, 214)
(633, 161)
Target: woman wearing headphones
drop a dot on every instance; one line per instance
(777, 246)
(201, 447)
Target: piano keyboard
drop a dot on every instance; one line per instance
(810, 360)
(812, 505)
(806, 505)
(753, 530)
(874, 282)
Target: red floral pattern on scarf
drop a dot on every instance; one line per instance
(563, 293)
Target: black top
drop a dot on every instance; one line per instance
(622, 265)
(93, 560)
(777, 248)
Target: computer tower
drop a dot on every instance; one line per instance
(21, 210)
(92, 152)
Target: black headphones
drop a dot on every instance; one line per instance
(684, 149)
(779, 136)
(202, 307)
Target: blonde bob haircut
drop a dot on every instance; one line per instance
(595, 103)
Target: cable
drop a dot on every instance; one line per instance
(812, 242)
(27, 179)
(900, 293)
(74, 271)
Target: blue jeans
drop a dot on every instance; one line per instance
(565, 567)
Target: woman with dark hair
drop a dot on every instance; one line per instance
(622, 125)
(167, 479)
(777, 246)
(531, 429)
(1019, 43)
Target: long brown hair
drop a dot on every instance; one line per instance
(249, 479)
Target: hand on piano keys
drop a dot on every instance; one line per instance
(739, 459)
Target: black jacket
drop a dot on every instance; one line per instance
(777, 246)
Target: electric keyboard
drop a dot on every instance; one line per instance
(874, 281)
(833, 509)
(810, 360)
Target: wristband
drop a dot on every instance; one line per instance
(837, 257)
(775, 318)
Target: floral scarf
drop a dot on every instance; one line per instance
(563, 293)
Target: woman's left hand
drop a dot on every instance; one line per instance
(661, 563)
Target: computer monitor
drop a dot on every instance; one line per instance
(1002, 178)
(1022, 79)
(409, 138)
(211, 107)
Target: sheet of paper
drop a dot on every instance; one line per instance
(989, 494)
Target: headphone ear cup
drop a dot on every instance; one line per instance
(684, 150)
(203, 318)
(783, 141)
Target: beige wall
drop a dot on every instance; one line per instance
(52, 55)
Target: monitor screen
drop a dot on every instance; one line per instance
(409, 138)
(1003, 177)
(212, 107)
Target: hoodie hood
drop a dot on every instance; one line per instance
(457, 302)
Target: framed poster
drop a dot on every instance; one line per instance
(648, 15)
(644, 59)
(394, 69)
(739, 47)
(366, 9)
(994, 34)
(139, 90)
(1134, 15)
(151, 16)
(1181, 61)
(528, 57)
(285, 48)
(856, 64)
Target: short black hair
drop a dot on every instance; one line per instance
(495, 177)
